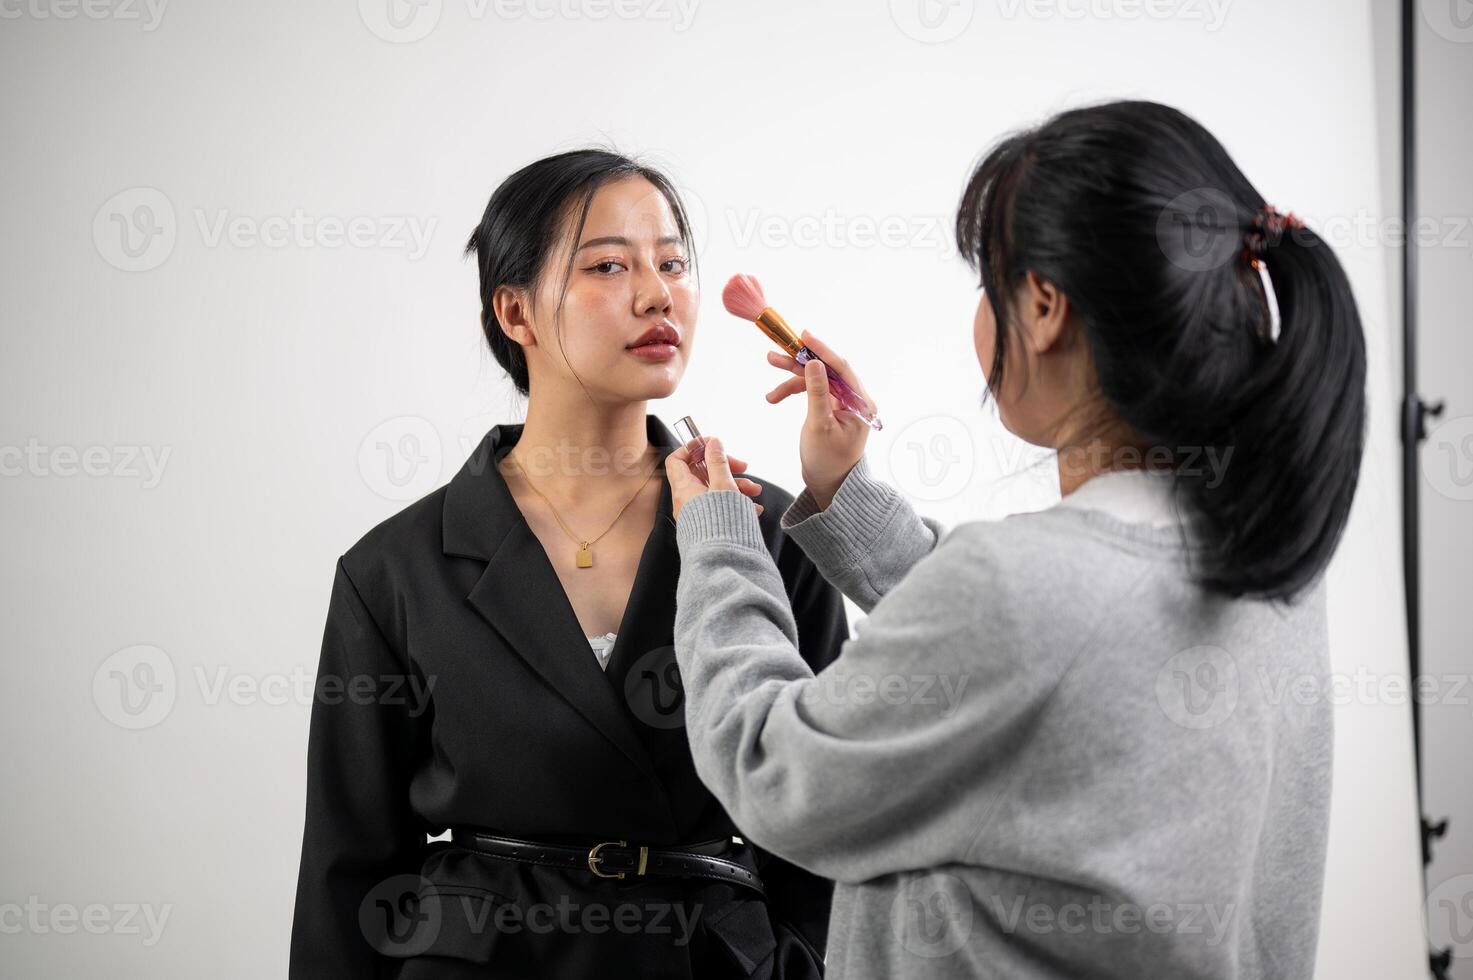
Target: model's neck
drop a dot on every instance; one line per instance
(577, 451)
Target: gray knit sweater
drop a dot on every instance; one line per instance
(1044, 753)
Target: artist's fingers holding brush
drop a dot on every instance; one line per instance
(790, 386)
(784, 361)
(836, 361)
(796, 384)
(832, 441)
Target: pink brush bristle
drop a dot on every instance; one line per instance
(743, 297)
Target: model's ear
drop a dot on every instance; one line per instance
(513, 311)
(1045, 311)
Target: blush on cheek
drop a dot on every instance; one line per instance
(593, 321)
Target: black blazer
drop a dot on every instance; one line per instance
(457, 689)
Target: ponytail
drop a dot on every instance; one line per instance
(1277, 510)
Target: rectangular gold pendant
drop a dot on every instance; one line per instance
(585, 557)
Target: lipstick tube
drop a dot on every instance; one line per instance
(686, 429)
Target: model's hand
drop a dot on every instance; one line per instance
(833, 439)
(685, 485)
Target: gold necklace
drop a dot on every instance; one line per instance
(584, 557)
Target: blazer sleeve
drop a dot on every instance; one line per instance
(360, 832)
(867, 539)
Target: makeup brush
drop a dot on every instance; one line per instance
(743, 298)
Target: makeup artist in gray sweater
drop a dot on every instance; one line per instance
(1071, 743)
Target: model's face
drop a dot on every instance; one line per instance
(629, 275)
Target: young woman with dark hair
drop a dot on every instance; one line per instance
(1118, 785)
(498, 659)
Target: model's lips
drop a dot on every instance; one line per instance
(654, 352)
(662, 335)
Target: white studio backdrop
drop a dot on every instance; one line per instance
(232, 244)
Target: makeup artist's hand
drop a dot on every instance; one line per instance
(685, 485)
(833, 439)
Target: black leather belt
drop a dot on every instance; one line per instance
(618, 859)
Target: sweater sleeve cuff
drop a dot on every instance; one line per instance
(862, 508)
(719, 515)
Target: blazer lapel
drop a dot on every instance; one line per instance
(520, 595)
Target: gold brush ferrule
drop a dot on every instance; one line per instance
(777, 328)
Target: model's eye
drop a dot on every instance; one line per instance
(607, 267)
(675, 266)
